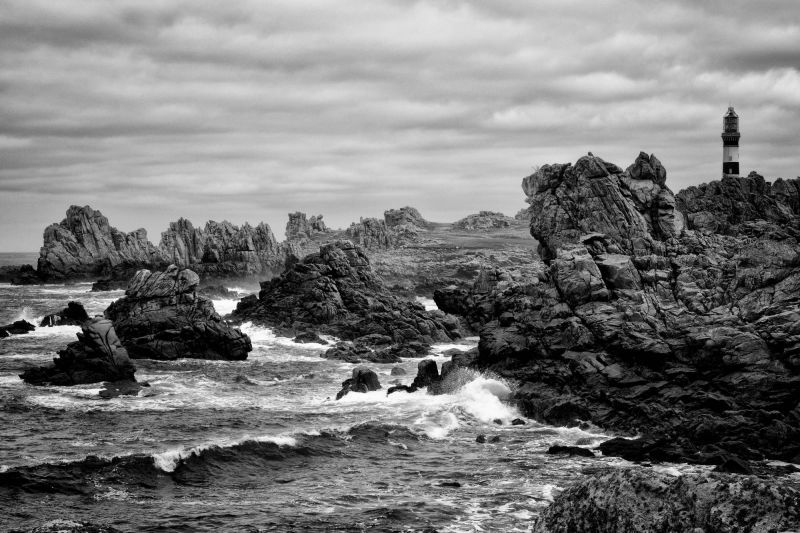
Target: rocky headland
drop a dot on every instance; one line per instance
(162, 317)
(642, 319)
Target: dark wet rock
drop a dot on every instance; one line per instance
(484, 220)
(162, 317)
(72, 315)
(645, 501)
(97, 355)
(363, 380)
(121, 388)
(518, 422)
(103, 285)
(309, 337)
(20, 275)
(4, 334)
(497, 421)
(452, 484)
(398, 371)
(337, 292)
(641, 325)
(734, 465)
(569, 450)
(19, 327)
(428, 377)
(495, 439)
(300, 227)
(481, 439)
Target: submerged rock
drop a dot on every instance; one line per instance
(161, 317)
(72, 315)
(644, 501)
(570, 450)
(97, 355)
(363, 380)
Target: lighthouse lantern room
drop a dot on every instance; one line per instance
(730, 143)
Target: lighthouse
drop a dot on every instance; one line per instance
(730, 143)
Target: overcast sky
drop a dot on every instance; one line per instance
(244, 110)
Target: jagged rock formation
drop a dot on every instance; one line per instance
(721, 206)
(336, 292)
(370, 233)
(85, 246)
(161, 317)
(483, 220)
(635, 324)
(19, 275)
(96, 356)
(223, 250)
(299, 227)
(405, 216)
(72, 315)
(645, 501)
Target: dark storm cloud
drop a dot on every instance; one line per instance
(248, 110)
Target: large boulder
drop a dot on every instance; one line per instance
(363, 380)
(18, 327)
(335, 291)
(405, 216)
(97, 355)
(162, 317)
(635, 500)
(483, 221)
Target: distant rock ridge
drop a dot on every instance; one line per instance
(484, 220)
(301, 227)
(635, 323)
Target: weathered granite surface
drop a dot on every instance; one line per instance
(635, 323)
(162, 317)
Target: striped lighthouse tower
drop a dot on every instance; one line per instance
(730, 142)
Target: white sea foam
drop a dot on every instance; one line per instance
(168, 460)
(225, 307)
(265, 337)
(429, 304)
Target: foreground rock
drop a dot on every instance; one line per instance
(97, 355)
(161, 317)
(637, 324)
(363, 380)
(336, 292)
(72, 315)
(644, 501)
(20, 327)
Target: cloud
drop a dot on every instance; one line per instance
(248, 110)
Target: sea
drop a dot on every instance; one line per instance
(261, 444)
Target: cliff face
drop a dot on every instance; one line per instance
(84, 245)
(635, 323)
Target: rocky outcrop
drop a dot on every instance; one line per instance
(336, 292)
(72, 315)
(483, 221)
(721, 206)
(363, 380)
(370, 233)
(19, 275)
(405, 216)
(644, 501)
(633, 323)
(222, 250)
(97, 355)
(85, 246)
(300, 227)
(162, 317)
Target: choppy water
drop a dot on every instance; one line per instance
(260, 444)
